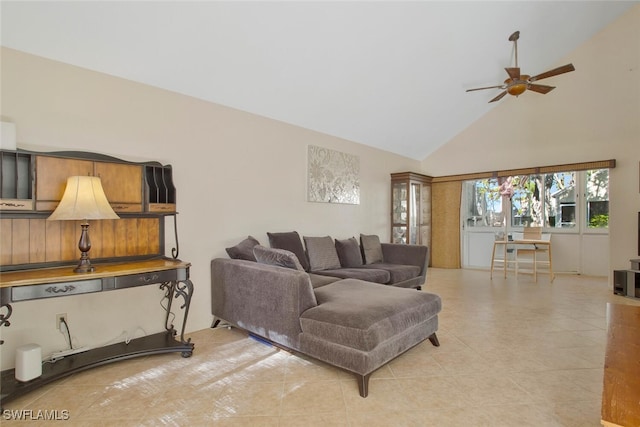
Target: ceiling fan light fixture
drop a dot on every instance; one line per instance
(518, 83)
(517, 89)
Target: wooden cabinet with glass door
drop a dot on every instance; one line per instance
(410, 208)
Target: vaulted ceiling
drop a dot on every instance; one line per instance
(388, 74)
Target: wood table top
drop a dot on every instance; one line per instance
(66, 274)
(621, 388)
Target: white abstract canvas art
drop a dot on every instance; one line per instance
(333, 176)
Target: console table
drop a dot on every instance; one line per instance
(516, 243)
(171, 275)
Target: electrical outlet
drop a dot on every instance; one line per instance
(59, 319)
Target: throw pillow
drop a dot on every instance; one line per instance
(322, 253)
(289, 241)
(279, 257)
(371, 248)
(244, 249)
(349, 252)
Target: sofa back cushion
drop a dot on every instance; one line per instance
(349, 252)
(279, 257)
(371, 248)
(243, 250)
(290, 241)
(322, 253)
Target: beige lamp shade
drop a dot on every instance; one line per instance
(83, 199)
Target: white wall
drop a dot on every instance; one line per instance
(593, 114)
(236, 174)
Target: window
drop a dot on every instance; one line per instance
(485, 203)
(560, 200)
(597, 198)
(526, 206)
(550, 200)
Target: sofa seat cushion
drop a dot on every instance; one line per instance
(368, 274)
(318, 280)
(398, 273)
(352, 313)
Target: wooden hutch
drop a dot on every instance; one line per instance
(37, 256)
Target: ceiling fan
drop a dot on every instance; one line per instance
(517, 83)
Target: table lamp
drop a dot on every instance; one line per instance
(83, 199)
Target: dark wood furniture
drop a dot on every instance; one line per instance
(32, 184)
(37, 256)
(621, 386)
(172, 276)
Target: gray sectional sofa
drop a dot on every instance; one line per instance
(403, 266)
(350, 323)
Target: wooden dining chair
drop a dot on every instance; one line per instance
(529, 254)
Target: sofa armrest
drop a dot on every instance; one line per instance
(263, 299)
(396, 253)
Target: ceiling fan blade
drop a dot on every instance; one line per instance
(483, 88)
(540, 88)
(499, 97)
(560, 70)
(514, 72)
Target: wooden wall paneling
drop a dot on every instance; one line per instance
(120, 237)
(69, 238)
(445, 224)
(37, 240)
(143, 236)
(96, 236)
(131, 236)
(153, 224)
(20, 241)
(52, 241)
(108, 244)
(6, 241)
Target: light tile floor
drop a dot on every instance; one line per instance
(513, 353)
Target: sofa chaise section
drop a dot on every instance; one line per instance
(360, 326)
(349, 323)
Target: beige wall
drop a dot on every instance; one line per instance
(240, 174)
(236, 174)
(593, 114)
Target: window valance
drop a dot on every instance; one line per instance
(600, 164)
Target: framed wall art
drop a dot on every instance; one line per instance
(333, 176)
